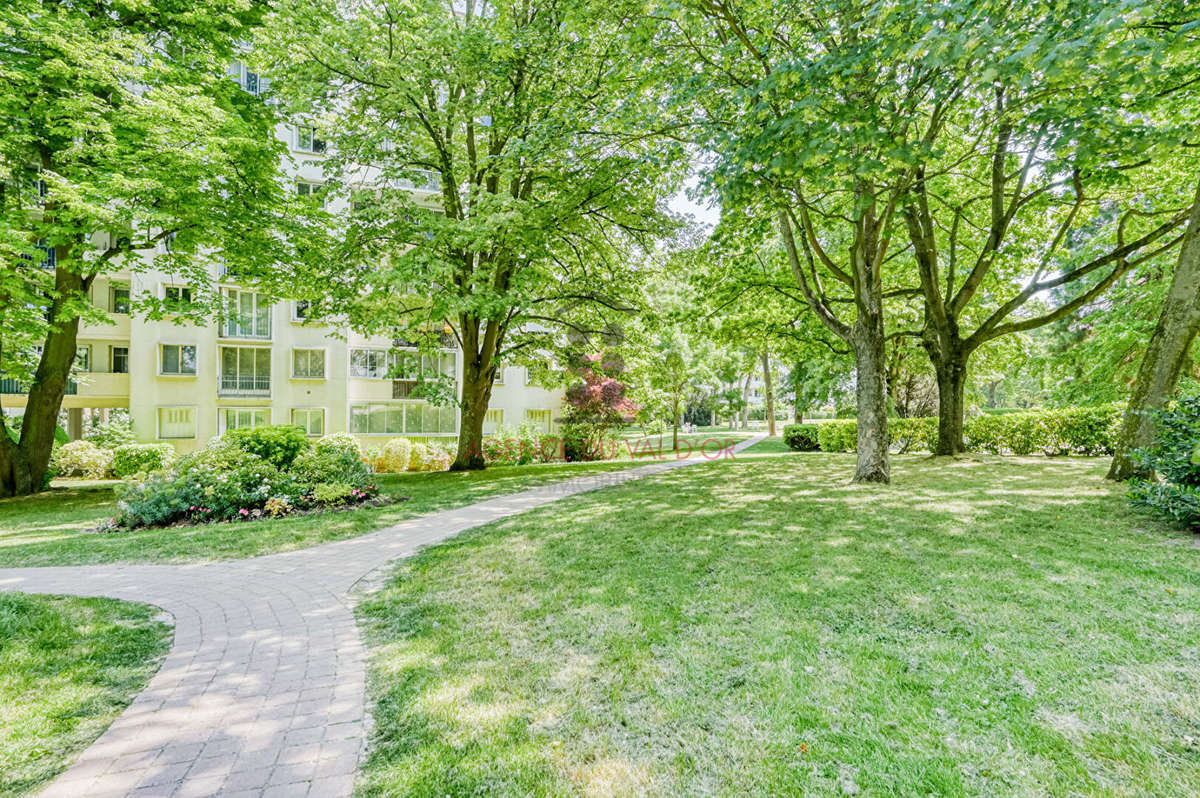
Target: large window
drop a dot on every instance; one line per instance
(246, 315)
(176, 422)
(119, 299)
(308, 364)
(245, 371)
(308, 140)
(310, 419)
(120, 360)
(177, 359)
(403, 365)
(492, 420)
(401, 418)
(539, 419)
(83, 358)
(369, 363)
(236, 417)
(176, 296)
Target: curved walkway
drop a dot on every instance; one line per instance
(263, 691)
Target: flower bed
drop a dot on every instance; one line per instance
(267, 472)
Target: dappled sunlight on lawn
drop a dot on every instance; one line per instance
(694, 629)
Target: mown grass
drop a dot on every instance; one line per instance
(983, 626)
(68, 666)
(51, 528)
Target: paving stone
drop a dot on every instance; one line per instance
(262, 692)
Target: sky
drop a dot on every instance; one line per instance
(703, 214)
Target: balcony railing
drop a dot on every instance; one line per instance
(257, 385)
(16, 386)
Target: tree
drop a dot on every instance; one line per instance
(809, 131)
(1165, 355)
(1029, 181)
(496, 165)
(122, 146)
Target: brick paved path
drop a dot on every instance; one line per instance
(262, 692)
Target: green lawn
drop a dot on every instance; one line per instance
(50, 528)
(760, 627)
(769, 446)
(68, 666)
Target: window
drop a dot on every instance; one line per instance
(119, 299)
(308, 364)
(179, 359)
(250, 81)
(176, 422)
(236, 417)
(300, 310)
(401, 418)
(246, 315)
(499, 378)
(307, 140)
(245, 371)
(492, 421)
(83, 358)
(310, 419)
(119, 360)
(369, 363)
(177, 294)
(316, 191)
(540, 419)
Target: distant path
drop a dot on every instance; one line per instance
(262, 693)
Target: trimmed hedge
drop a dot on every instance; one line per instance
(802, 437)
(1069, 430)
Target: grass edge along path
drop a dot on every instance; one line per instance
(68, 667)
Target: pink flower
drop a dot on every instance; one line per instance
(244, 511)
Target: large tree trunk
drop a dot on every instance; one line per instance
(951, 383)
(23, 465)
(868, 341)
(476, 392)
(1165, 355)
(770, 397)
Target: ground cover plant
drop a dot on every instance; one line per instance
(983, 626)
(68, 666)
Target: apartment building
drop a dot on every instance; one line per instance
(265, 363)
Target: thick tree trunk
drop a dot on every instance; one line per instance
(23, 465)
(476, 393)
(951, 383)
(1165, 355)
(868, 341)
(770, 397)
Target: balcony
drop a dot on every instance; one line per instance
(11, 386)
(103, 383)
(255, 385)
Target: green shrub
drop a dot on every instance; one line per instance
(339, 441)
(838, 436)
(278, 444)
(111, 434)
(1175, 458)
(329, 464)
(513, 446)
(1069, 430)
(83, 459)
(332, 492)
(802, 437)
(395, 456)
(130, 458)
(909, 434)
(416, 456)
(221, 482)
